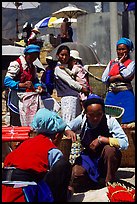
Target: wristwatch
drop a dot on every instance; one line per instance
(99, 141)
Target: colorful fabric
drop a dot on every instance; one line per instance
(90, 163)
(70, 108)
(32, 49)
(125, 73)
(10, 194)
(48, 79)
(37, 148)
(29, 103)
(126, 42)
(120, 193)
(118, 99)
(30, 193)
(26, 75)
(113, 125)
(47, 122)
(38, 193)
(115, 68)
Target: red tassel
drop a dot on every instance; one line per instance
(119, 193)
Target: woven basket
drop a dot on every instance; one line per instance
(128, 156)
(95, 74)
(115, 111)
(65, 147)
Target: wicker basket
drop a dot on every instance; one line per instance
(128, 156)
(95, 74)
(65, 147)
(115, 111)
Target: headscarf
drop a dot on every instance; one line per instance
(31, 49)
(126, 42)
(93, 99)
(48, 122)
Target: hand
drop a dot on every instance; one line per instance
(28, 84)
(94, 144)
(123, 58)
(71, 135)
(39, 89)
(61, 67)
(85, 91)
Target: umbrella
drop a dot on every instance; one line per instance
(87, 53)
(57, 23)
(11, 50)
(70, 11)
(45, 22)
(19, 6)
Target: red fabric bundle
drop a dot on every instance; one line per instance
(15, 134)
(120, 193)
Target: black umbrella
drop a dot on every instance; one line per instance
(87, 53)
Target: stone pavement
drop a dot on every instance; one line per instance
(124, 175)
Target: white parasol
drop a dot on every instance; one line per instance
(70, 11)
(11, 50)
(19, 6)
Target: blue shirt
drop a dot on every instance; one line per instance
(113, 126)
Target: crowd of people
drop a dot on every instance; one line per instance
(36, 170)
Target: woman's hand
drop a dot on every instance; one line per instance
(85, 91)
(27, 84)
(39, 89)
(123, 58)
(71, 135)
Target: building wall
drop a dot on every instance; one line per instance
(94, 30)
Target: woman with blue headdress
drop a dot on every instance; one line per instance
(21, 77)
(118, 76)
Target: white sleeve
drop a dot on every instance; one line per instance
(105, 74)
(62, 74)
(13, 69)
(117, 132)
(129, 71)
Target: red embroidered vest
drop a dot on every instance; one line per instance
(25, 75)
(114, 67)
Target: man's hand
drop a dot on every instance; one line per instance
(94, 144)
(71, 135)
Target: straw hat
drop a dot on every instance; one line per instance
(75, 54)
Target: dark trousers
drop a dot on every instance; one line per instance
(14, 119)
(108, 165)
(58, 179)
(110, 162)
